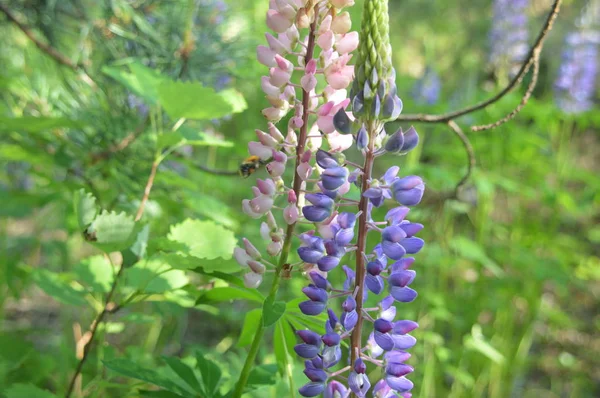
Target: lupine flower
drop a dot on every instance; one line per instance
(427, 89)
(358, 381)
(509, 36)
(576, 82)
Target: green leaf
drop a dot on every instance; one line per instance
(272, 311)
(184, 372)
(85, 208)
(160, 394)
(211, 374)
(192, 101)
(32, 124)
(476, 341)
(95, 272)
(131, 369)
(140, 245)
(56, 286)
(140, 79)
(471, 250)
(192, 136)
(111, 231)
(283, 340)
(204, 239)
(27, 391)
(235, 99)
(251, 323)
(220, 294)
(155, 276)
(263, 375)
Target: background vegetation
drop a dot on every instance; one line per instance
(509, 281)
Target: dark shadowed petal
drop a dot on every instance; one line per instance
(412, 245)
(403, 294)
(376, 105)
(315, 213)
(383, 325)
(411, 139)
(312, 389)
(331, 339)
(309, 337)
(327, 263)
(306, 350)
(312, 307)
(319, 199)
(342, 122)
(375, 267)
(326, 160)
(319, 280)
(402, 278)
(358, 104)
(315, 294)
(394, 142)
(362, 139)
(397, 369)
(349, 304)
(346, 220)
(318, 375)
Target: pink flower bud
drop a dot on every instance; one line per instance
(276, 45)
(265, 231)
(291, 138)
(277, 21)
(342, 23)
(279, 156)
(305, 158)
(256, 267)
(311, 67)
(293, 35)
(296, 122)
(275, 133)
(274, 114)
(303, 19)
(348, 43)
(268, 88)
(266, 187)
(247, 208)
(251, 250)
(257, 149)
(284, 7)
(308, 82)
(325, 25)
(265, 139)
(326, 40)
(265, 56)
(241, 257)
(284, 64)
(304, 170)
(252, 280)
(276, 169)
(274, 248)
(290, 214)
(261, 204)
(292, 198)
(279, 77)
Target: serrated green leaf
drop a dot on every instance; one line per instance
(192, 101)
(111, 231)
(251, 323)
(211, 374)
(131, 369)
(32, 124)
(27, 391)
(272, 311)
(139, 79)
(57, 287)
(85, 208)
(184, 372)
(95, 272)
(204, 239)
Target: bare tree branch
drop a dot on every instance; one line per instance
(529, 61)
(470, 154)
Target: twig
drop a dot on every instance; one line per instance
(522, 103)
(147, 190)
(533, 52)
(46, 48)
(92, 332)
(470, 153)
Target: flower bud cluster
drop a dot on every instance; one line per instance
(307, 55)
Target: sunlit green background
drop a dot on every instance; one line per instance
(508, 283)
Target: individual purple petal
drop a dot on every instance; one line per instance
(393, 233)
(373, 347)
(373, 193)
(306, 350)
(318, 375)
(315, 294)
(374, 283)
(386, 303)
(335, 389)
(344, 236)
(309, 337)
(319, 281)
(405, 326)
(334, 178)
(396, 356)
(382, 390)
(403, 264)
(309, 255)
(376, 105)
(402, 278)
(411, 229)
(403, 294)
(312, 389)
(382, 325)
(399, 384)
(397, 369)
(349, 319)
(312, 307)
(333, 249)
(331, 339)
(350, 276)
(326, 160)
(403, 341)
(375, 267)
(393, 250)
(349, 304)
(408, 191)
(333, 320)
(411, 139)
(390, 174)
(412, 245)
(378, 251)
(327, 263)
(346, 220)
(331, 356)
(319, 199)
(394, 142)
(316, 362)
(384, 340)
(397, 214)
(315, 213)
(342, 122)
(359, 384)
(362, 139)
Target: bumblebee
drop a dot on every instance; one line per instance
(250, 165)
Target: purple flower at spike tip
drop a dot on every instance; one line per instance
(349, 316)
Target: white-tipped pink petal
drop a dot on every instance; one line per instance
(347, 43)
(257, 149)
(261, 204)
(241, 257)
(308, 82)
(326, 40)
(275, 133)
(276, 169)
(268, 88)
(266, 139)
(252, 280)
(273, 114)
(274, 248)
(265, 56)
(277, 46)
(290, 214)
(304, 170)
(247, 208)
(265, 231)
(277, 21)
(339, 142)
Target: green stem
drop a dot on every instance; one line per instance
(287, 243)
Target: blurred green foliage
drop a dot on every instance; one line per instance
(509, 282)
